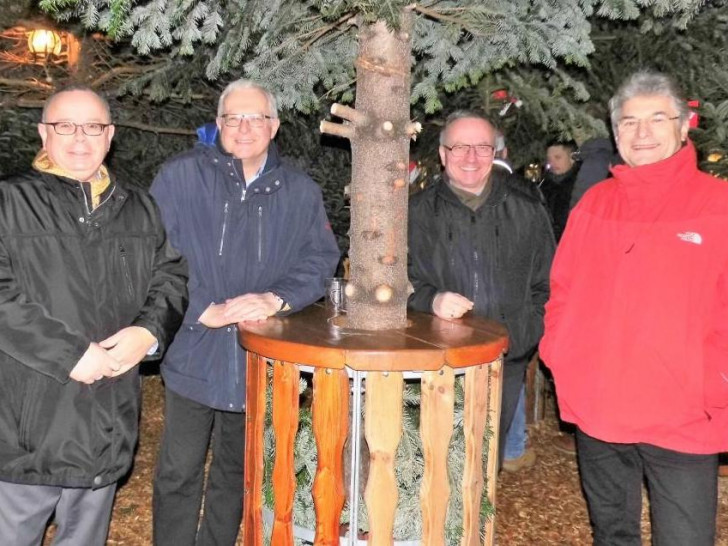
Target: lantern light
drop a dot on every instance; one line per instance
(43, 43)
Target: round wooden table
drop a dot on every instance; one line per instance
(435, 350)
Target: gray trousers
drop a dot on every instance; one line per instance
(82, 515)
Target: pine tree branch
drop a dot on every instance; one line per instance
(32, 84)
(155, 129)
(124, 70)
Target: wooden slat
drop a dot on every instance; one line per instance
(383, 426)
(285, 424)
(477, 399)
(436, 424)
(495, 388)
(254, 424)
(330, 428)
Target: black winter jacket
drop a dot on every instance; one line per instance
(271, 236)
(556, 189)
(498, 256)
(69, 276)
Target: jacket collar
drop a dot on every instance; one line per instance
(498, 192)
(682, 165)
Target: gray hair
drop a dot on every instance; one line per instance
(463, 114)
(644, 83)
(247, 84)
(69, 89)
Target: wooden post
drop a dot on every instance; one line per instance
(436, 423)
(254, 425)
(330, 426)
(495, 391)
(477, 397)
(285, 425)
(383, 425)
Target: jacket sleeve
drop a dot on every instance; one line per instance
(317, 259)
(166, 300)
(419, 252)
(560, 280)
(165, 190)
(30, 335)
(545, 248)
(715, 356)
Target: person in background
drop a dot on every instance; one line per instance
(480, 242)
(558, 183)
(89, 287)
(639, 313)
(254, 231)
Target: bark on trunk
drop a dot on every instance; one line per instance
(380, 130)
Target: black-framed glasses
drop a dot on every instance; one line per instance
(461, 150)
(253, 120)
(67, 128)
(655, 123)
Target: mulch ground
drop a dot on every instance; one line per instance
(539, 506)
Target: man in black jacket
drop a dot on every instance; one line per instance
(89, 286)
(258, 242)
(480, 242)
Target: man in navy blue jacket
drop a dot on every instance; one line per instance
(258, 242)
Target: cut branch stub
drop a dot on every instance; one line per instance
(350, 114)
(337, 129)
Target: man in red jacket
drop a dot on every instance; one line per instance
(636, 327)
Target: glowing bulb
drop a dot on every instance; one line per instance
(44, 42)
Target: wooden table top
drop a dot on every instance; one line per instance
(313, 337)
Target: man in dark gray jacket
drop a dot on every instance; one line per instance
(89, 286)
(480, 241)
(258, 242)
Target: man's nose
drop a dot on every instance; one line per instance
(643, 127)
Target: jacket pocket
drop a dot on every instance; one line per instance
(189, 351)
(126, 273)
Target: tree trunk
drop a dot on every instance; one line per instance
(378, 287)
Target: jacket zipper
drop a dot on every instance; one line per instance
(476, 281)
(224, 227)
(260, 233)
(125, 269)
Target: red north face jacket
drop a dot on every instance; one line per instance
(636, 329)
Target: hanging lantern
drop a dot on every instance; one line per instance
(43, 43)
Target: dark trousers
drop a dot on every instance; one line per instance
(178, 483)
(683, 492)
(514, 374)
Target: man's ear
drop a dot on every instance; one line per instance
(43, 132)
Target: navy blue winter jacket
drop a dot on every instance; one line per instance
(273, 236)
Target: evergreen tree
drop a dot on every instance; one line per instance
(308, 50)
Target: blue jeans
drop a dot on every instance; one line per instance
(516, 435)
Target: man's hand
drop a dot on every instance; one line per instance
(129, 346)
(214, 316)
(95, 364)
(252, 307)
(450, 305)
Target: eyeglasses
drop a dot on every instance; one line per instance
(655, 123)
(67, 128)
(254, 120)
(461, 150)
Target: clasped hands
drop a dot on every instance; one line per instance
(248, 307)
(113, 356)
